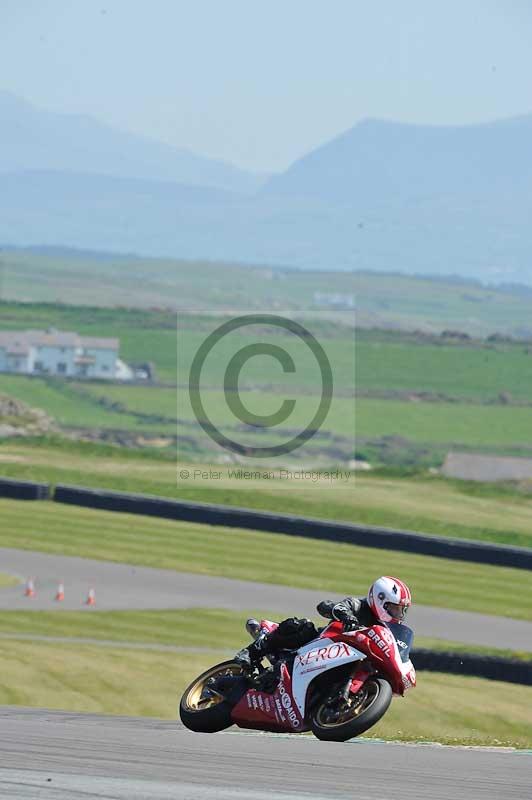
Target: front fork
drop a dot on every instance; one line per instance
(355, 682)
(350, 686)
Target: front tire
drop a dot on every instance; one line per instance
(337, 720)
(203, 708)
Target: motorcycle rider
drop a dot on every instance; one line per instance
(387, 602)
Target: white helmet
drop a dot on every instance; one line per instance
(389, 599)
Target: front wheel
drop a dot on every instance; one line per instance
(337, 719)
(204, 707)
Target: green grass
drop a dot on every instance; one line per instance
(424, 423)
(195, 628)
(398, 378)
(439, 423)
(8, 580)
(70, 408)
(469, 372)
(421, 503)
(385, 361)
(431, 427)
(192, 628)
(454, 709)
(330, 567)
(88, 678)
(381, 299)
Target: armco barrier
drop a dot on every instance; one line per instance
(509, 670)
(232, 517)
(23, 490)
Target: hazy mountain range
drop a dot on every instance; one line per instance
(383, 195)
(35, 139)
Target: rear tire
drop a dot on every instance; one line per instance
(204, 710)
(339, 725)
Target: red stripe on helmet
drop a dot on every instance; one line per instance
(404, 591)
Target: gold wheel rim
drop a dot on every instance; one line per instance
(351, 709)
(201, 696)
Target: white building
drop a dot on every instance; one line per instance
(61, 353)
(334, 300)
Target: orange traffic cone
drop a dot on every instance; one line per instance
(60, 595)
(30, 588)
(91, 598)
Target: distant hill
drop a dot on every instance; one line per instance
(35, 139)
(430, 199)
(383, 196)
(386, 163)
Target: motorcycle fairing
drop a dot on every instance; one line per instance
(381, 645)
(285, 708)
(314, 659)
(274, 712)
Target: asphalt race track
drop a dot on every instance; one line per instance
(120, 586)
(53, 755)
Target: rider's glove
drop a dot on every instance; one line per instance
(351, 624)
(349, 621)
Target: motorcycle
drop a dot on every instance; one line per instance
(338, 686)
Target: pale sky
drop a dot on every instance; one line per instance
(260, 84)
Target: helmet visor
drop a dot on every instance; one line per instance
(397, 610)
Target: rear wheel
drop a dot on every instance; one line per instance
(337, 719)
(204, 707)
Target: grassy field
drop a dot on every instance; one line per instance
(453, 710)
(386, 360)
(469, 425)
(475, 371)
(423, 503)
(71, 408)
(381, 299)
(417, 395)
(432, 427)
(214, 628)
(92, 678)
(255, 556)
(89, 678)
(8, 580)
(194, 628)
